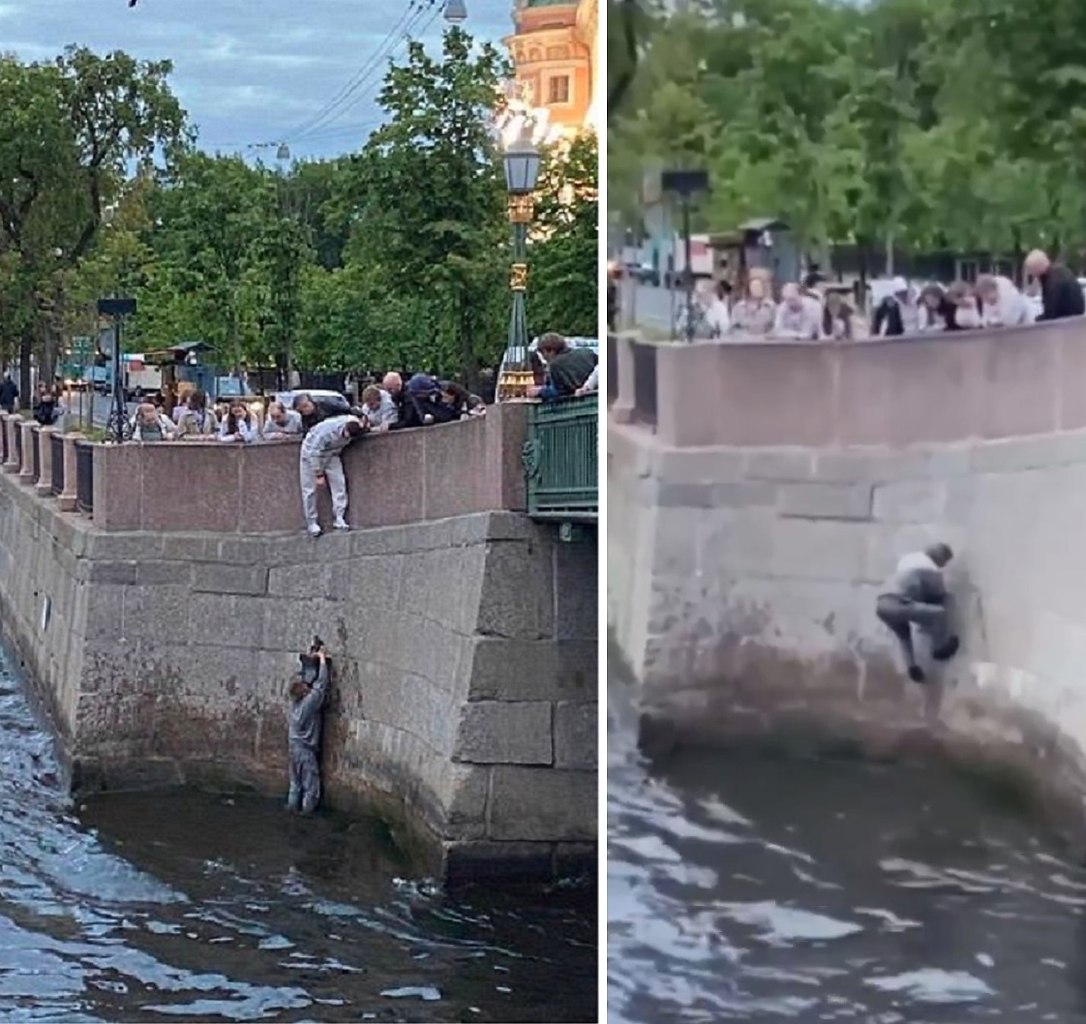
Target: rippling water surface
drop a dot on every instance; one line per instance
(200, 908)
(747, 889)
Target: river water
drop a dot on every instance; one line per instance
(206, 908)
(742, 888)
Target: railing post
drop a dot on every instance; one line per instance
(625, 400)
(26, 474)
(11, 425)
(68, 499)
(44, 485)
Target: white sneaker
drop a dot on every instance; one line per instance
(314, 530)
(341, 524)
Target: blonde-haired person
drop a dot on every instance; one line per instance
(150, 425)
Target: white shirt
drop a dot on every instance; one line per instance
(1011, 308)
(717, 318)
(805, 322)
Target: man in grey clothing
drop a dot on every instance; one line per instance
(918, 596)
(304, 738)
(320, 462)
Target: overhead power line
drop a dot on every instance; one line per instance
(351, 93)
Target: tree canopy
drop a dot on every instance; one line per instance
(395, 255)
(938, 125)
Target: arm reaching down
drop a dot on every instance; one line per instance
(311, 704)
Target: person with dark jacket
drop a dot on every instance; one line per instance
(46, 411)
(942, 313)
(314, 410)
(304, 722)
(423, 403)
(1061, 294)
(9, 394)
(567, 367)
(889, 320)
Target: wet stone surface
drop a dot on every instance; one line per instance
(185, 906)
(748, 888)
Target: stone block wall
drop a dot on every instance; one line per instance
(742, 583)
(464, 653)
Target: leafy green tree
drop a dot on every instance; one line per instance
(396, 256)
(564, 292)
(217, 214)
(68, 131)
(897, 123)
(435, 200)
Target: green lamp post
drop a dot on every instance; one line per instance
(522, 163)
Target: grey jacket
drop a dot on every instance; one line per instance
(918, 578)
(305, 715)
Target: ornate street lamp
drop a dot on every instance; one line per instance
(522, 163)
(455, 12)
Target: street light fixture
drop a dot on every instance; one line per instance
(455, 12)
(685, 185)
(522, 163)
(117, 309)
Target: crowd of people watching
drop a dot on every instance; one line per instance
(379, 405)
(818, 310)
(392, 405)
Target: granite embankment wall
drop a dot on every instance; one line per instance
(464, 647)
(751, 527)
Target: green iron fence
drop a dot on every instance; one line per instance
(561, 459)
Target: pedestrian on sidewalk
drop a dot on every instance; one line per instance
(9, 394)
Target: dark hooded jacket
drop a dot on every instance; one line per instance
(570, 369)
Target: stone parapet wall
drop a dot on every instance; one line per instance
(742, 583)
(404, 476)
(464, 651)
(941, 388)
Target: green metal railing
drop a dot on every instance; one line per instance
(561, 459)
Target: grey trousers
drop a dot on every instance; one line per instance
(305, 779)
(900, 614)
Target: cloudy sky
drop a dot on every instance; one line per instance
(255, 71)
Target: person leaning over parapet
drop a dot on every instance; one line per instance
(195, 418)
(304, 736)
(1061, 294)
(281, 423)
(320, 462)
(1001, 303)
(567, 367)
(379, 409)
(918, 596)
(314, 410)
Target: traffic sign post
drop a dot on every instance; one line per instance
(118, 309)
